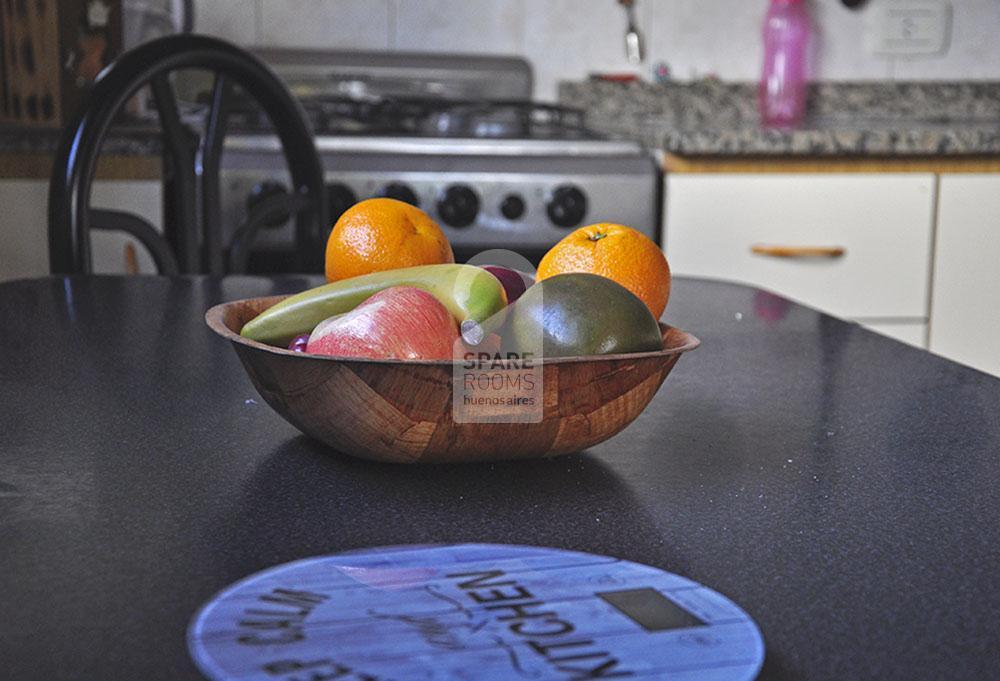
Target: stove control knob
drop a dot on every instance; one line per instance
(339, 197)
(512, 207)
(265, 190)
(567, 207)
(458, 206)
(400, 192)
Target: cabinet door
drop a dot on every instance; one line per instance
(24, 245)
(883, 223)
(141, 197)
(965, 311)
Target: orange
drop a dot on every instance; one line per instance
(617, 252)
(383, 234)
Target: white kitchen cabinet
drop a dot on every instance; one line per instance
(965, 309)
(883, 223)
(24, 246)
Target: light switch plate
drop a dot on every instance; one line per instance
(909, 27)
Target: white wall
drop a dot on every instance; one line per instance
(567, 39)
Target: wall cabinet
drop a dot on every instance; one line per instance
(965, 307)
(881, 224)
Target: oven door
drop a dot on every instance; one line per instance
(482, 201)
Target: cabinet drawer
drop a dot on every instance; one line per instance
(883, 223)
(912, 333)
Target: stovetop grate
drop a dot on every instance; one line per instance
(428, 117)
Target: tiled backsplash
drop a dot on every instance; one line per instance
(567, 39)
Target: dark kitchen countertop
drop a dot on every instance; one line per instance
(841, 487)
(883, 119)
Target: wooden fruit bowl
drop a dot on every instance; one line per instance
(401, 410)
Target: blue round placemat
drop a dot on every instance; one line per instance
(472, 611)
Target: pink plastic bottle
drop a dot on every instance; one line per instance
(783, 84)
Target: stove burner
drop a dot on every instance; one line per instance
(417, 117)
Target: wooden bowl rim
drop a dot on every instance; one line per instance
(215, 316)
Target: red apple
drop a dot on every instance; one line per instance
(401, 322)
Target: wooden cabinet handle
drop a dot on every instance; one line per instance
(799, 251)
(131, 261)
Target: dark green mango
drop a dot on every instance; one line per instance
(574, 315)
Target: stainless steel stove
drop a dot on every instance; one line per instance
(457, 136)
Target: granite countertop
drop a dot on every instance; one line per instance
(711, 118)
(707, 118)
(121, 141)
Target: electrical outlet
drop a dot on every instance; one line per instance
(902, 27)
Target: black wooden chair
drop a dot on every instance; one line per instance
(192, 239)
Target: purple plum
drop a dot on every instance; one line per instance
(515, 283)
(299, 343)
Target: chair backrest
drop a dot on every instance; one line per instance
(192, 236)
